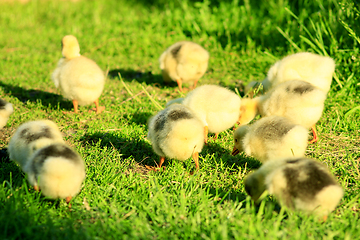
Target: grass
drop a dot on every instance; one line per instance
(120, 199)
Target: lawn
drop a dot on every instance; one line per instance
(120, 199)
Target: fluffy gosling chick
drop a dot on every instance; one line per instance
(298, 183)
(184, 62)
(216, 107)
(79, 78)
(31, 136)
(56, 170)
(6, 109)
(299, 101)
(270, 138)
(176, 133)
(313, 68)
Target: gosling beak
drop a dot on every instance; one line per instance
(235, 151)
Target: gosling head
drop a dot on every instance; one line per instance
(70, 47)
(248, 110)
(255, 185)
(239, 135)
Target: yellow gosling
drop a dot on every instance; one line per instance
(79, 78)
(216, 107)
(184, 62)
(309, 67)
(6, 109)
(176, 133)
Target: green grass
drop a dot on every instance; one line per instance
(120, 199)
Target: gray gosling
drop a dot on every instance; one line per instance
(271, 137)
(51, 166)
(176, 133)
(299, 101)
(300, 184)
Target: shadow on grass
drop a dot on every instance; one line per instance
(227, 159)
(226, 195)
(139, 149)
(47, 99)
(10, 172)
(4, 157)
(20, 222)
(138, 117)
(129, 75)
(269, 204)
(142, 153)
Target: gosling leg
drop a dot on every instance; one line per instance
(68, 199)
(98, 108)
(179, 82)
(161, 161)
(76, 105)
(151, 168)
(195, 82)
(206, 131)
(315, 137)
(196, 159)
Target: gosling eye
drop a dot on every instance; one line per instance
(236, 140)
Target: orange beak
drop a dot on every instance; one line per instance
(235, 151)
